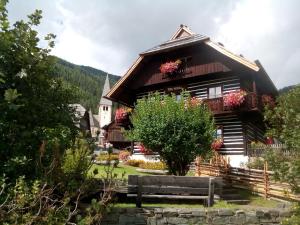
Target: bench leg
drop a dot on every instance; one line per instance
(211, 192)
(139, 193)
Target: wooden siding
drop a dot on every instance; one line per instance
(233, 135)
(254, 132)
(200, 89)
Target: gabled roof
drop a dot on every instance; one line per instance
(184, 37)
(106, 88)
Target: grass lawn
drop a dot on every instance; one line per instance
(120, 170)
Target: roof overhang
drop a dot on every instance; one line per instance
(178, 42)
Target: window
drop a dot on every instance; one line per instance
(215, 92)
(103, 108)
(178, 97)
(219, 132)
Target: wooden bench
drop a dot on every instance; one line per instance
(171, 187)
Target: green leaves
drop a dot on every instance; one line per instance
(10, 95)
(284, 119)
(178, 130)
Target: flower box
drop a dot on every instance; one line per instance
(122, 115)
(170, 67)
(234, 98)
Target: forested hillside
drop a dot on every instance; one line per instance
(87, 80)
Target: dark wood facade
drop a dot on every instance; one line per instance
(204, 67)
(114, 134)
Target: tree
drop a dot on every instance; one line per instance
(179, 130)
(284, 124)
(36, 122)
(284, 119)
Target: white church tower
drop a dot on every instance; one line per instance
(105, 106)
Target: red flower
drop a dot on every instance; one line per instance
(170, 67)
(234, 98)
(122, 114)
(217, 144)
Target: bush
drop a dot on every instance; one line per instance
(76, 164)
(108, 157)
(153, 165)
(256, 163)
(173, 128)
(124, 155)
(135, 163)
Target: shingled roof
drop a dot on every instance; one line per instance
(184, 37)
(174, 43)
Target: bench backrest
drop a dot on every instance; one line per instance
(170, 184)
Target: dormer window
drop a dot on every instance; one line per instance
(215, 92)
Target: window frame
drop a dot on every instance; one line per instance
(215, 86)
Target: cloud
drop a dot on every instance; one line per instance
(109, 34)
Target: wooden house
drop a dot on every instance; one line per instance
(208, 71)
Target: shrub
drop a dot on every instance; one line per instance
(124, 155)
(256, 163)
(153, 165)
(134, 162)
(173, 128)
(107, 157)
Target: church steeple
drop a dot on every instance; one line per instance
(105, 106)
(106, 88)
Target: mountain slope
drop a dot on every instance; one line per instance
(87, 80)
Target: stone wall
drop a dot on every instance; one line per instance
(162, 216)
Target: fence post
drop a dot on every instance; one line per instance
(266, 179)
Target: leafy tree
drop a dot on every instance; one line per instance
(35, 113)
(284, 124)
(284, 119)
(179, 130)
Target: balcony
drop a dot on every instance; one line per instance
(252, 103)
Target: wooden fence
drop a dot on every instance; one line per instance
(259, 181)
(259, 150)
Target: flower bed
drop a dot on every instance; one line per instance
(234, 98)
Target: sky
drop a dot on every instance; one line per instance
(109, 34)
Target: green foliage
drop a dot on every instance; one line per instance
(76, 164)
(88, 82)
(256, 163)
(295, 218)
(284, 119)
(285, 168)
(284, 124)
(178, 130)
(33, 104)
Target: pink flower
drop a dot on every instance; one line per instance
(234, 98)
(170, 67)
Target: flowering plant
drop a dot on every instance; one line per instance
(234, 98)
(267, 100)
(217, 144)
(192, 102)
(122, 114)
(170, 67)
(144, 150)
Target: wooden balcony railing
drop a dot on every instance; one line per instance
(252, 102)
